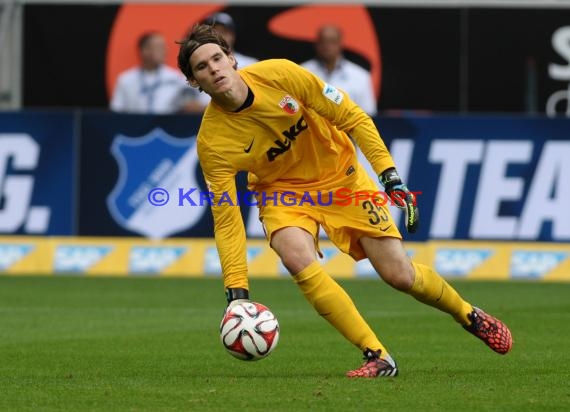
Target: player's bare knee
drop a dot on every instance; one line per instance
(295, 266)
(400, 277)
(402, 283)
(295, 262)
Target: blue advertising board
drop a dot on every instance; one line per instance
(477, 177)
(486, 178)
(37, 173)
(123, 157)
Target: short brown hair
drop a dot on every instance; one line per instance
(199, 35)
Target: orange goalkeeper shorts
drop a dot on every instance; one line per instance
(346, 214)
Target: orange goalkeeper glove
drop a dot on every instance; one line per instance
(399, 193)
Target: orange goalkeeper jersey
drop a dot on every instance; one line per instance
(294, 137)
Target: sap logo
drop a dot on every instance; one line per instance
(459, 262)
(153, 259)
(534, 264)
(290, 136)
(212, 265)
(10, 254)
(78, 259)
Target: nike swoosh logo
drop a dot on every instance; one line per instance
(248, 148)
(386, 228)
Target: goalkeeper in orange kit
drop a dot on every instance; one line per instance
(292, 132)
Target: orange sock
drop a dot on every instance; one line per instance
(430, 288)
(334, 304)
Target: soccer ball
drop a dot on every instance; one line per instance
(249, 331)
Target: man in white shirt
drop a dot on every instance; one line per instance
(225, 25)
(331, 66)
(152, 87)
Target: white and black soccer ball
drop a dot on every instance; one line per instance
(249, 331)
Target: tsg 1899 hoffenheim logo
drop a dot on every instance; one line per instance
(154, 160)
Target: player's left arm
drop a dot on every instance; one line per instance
(367, 137)
(336, 106)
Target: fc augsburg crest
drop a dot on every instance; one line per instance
(289, 104)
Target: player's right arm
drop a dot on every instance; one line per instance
(229, 229)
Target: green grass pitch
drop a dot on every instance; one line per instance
(126, 344)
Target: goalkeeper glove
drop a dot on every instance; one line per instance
(235, 296)
(399, 193)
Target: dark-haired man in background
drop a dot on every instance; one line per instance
(331, 66)
(151, 87)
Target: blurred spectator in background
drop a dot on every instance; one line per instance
(152, 87)
(331, 66)
(225, 25)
